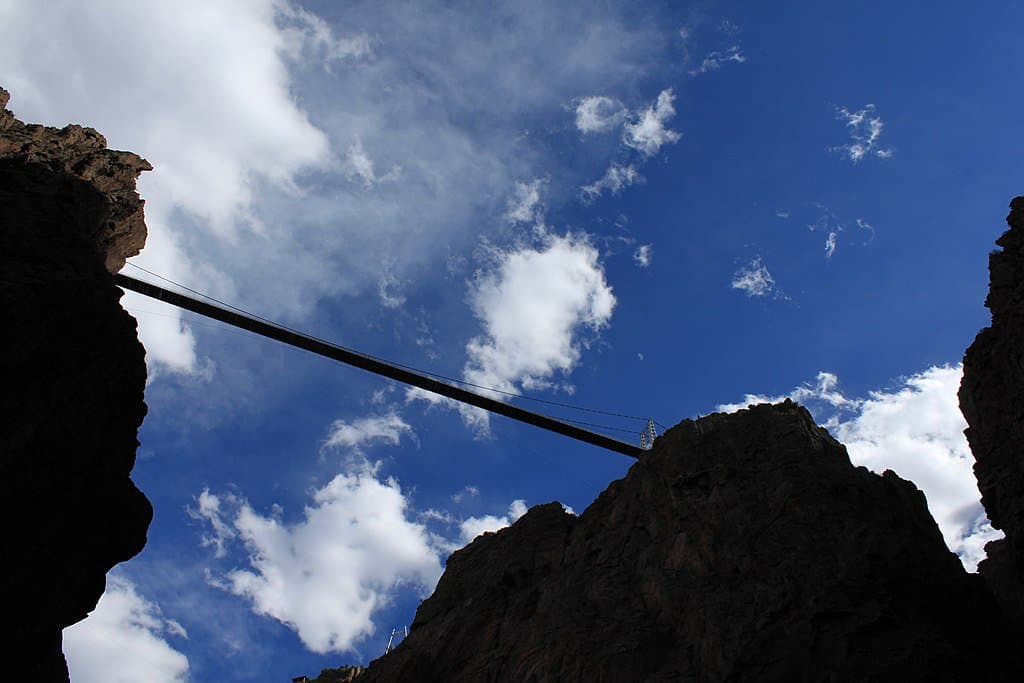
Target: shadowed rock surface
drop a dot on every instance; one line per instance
(742, 547)
(992, 401)
(342, 674)
(73, 380)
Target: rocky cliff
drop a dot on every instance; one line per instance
(992, 401)
(73, 379)
(742, 547)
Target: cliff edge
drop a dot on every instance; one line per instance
(992, 401)
(74, 374)
(742, 547)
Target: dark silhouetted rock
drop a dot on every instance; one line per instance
(342, 674)
(73, 380)
(992, 401)
(742, 547)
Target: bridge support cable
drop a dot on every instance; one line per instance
(374, 365)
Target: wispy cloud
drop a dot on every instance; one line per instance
(916, 430)
(865, 129)
(642, 255)
(753, 279)
(830, 244)
(271, 175)
(647, 131)
(357, 434)
(614, 180)
(715, 60)
(524, 206)
(599, 114)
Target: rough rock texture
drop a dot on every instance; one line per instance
(342, 674)
(73, 379)
(992, 401)
(742, 547)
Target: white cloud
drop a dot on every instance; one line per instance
(472, 527)
(357, 434)
(830, 244)
(201, 91)
(715, 60)
(865, 129)
(525, 205)
(642, 255)
(916, 430)
(356, 544)
(864, 225)
(249, 109)
(386, 289)
(646, 132)
(208, 510)
(124, 640)
(599, 114)
(307, 37)
(533, 304)
(468, 491)
(614, 180)
(754, 279)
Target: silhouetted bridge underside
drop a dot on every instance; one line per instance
(374, 365)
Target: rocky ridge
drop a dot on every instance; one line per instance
(742, 547)
(74, 375)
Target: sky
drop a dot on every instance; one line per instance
(653, 209)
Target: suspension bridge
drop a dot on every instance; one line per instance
(437, 384)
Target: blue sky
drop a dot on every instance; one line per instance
(653, 209)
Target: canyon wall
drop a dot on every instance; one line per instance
(992, 401)
(74, 374)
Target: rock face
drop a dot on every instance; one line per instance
(992, 401)
(342, 674)
(742, 547)
(73, 380)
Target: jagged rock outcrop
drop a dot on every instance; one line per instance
(742, 547)
(992, 401)
(341, 674)
(73, 380)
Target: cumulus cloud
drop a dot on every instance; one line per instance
(715, 60)
(646, 132)
(642, 255)
(534, 303)
(614, 180)
(355, 435)
(355, 543)
(865, 128)
(125, 639)
(599, 114)
(754, 279)
(916, 430)
(472, 527)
